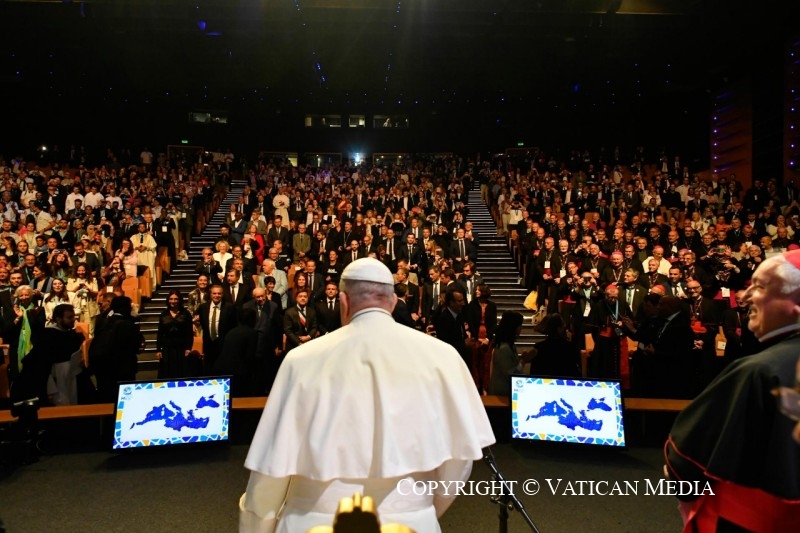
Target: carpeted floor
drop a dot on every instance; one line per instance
(197, 491)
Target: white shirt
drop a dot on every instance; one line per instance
(69, 204)
(111, 199)
(43, 220)
(211, 315)
(27, 196)
(92, 199)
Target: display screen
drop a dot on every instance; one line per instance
(160, 413)
(567, 410)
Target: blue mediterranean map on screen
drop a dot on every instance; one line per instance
(588, 412)
(172, 412)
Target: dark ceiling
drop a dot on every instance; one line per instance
(373, 50)
(609, 58)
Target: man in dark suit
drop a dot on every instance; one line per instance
(370, 246)
(632, 198)
(586, 295)
(105, 210)
(352, 253)
(401, 312)
(226, 235)
(469, 280)
(77, 213)
(449, 324)
(162, 232)
(413, 229)
(430, 295)
(113, 350)
(672, 352)
(631, 291)
(64, 235)
(246, 266)
(392, 246)
(238, 226)
(277, 232)
(462, 250)
(216, 318)
(91, 260)
(413, 254)
(269, 328)
(27, 268)
(208, 265)
(6, 310)
(360, 202)
(334, 234)
(299, 322)
(316, 281)
(321, 246)
(328, 317)
(677, 285)
(237, 357)
(297, 209)
(237, 289)
(412, 296)
(695, 203)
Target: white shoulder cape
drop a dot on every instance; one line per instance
(374, 399)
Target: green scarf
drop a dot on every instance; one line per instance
(24, 346)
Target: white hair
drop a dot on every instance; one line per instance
(22, 288)
(361, 292)
(786, 272)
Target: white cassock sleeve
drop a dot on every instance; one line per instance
(260, 506)
(452, 470)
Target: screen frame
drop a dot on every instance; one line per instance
(594, 445)
(174, 444)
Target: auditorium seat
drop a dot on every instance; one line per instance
(130, 288)
(162, 260)
(586, 354)
(146, 283)
(83, 327)
(197, 344)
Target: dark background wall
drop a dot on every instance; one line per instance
(470, 75)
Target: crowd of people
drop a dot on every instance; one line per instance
(660, 259)
(646, 252)
(283, 248)
(69, 238)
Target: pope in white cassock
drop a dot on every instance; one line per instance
(359, 410)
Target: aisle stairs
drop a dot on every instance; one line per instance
(182, 278)
(497, 267)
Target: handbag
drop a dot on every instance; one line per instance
(539, 315)
(530, 300)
